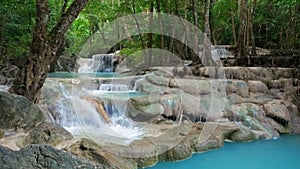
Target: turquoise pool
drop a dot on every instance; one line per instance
(283, 153)
(75, 74)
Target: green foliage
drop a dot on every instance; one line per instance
(275, 23)
(17, 24)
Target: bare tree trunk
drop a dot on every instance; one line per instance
(233, 27)
(43, 49)
(206, 44)
(253, 50)
(207, 20)
(241, 33)
(161, 27)
(150, 36)
(248, 34)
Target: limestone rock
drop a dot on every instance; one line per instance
(46, 133)
(157, 80)
(147, 87)
(91, 151)
(192, 86)
(257, 87)
(278, 111)
(237, 86)
(42, 156)
(141, 111)
(18, 112)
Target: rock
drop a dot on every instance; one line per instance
(9, 71)
(278, 111)
(134, 110)
(253, 117)
(263, 74)
(46, 133)
(91, 151)
(295, 123)
(146, 87)
(237, 86)
(158, 80)
(284, 73)
(42, 156)
(209, 107)
(241, 135)
(257, 87)
(18, 112)
(238, 73)
(193, 86)
(3, 80)
(2, 132)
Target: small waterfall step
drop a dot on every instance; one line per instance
(114, 87)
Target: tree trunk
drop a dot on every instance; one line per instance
(207, 20)
(161, 29)
(43, 49)
(241, 33)
(253, 50)
(150, 36)
(233, 26)
(206, 44)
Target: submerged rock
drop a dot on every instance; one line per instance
(18, 112)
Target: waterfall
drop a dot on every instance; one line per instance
(114, 87)
(81, 118)
(98, 63)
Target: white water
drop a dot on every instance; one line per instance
(114, 87)
(81, 118)
(98, 63)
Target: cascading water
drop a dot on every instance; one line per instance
(98, 63)
(81, 118)
(97, 113)
(114, 87)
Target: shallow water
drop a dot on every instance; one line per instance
(75, 74)
(283, 153)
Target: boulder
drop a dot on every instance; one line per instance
(200, 87)
(87, 149)
(3, 80)
(9, 71)
(42, 156)
(237, 86)
(257, 87)
(46, 133)
(18, 112)
(158, 80)
(144, 108)
(238, 73)
(278, 111)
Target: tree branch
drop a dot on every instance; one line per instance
(65, 21)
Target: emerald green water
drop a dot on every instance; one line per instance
(75, 74)
(283, 153)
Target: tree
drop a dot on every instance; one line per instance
(43, 48)
(241, 32)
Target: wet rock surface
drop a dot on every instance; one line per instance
(42, 156)
(181, 114)
(17, 112)
(46, 133)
